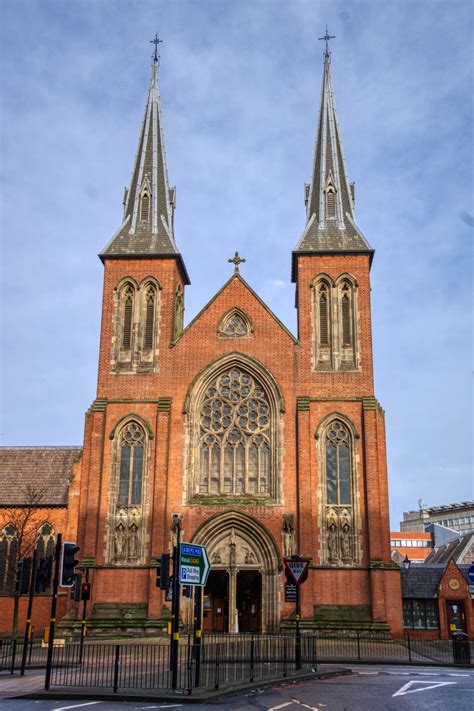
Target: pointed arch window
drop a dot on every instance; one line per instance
(235, 324)
(150, 308)
(128, 299)
(346, 315)
(45, 541)
(236, 437)
(8, 558)
(145, 204)
(323, 315)
(339, 482)
(132, 444)
(330, 203)
(322, 323)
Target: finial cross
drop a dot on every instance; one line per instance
(326, 38)
(236, 260)
(156, 42)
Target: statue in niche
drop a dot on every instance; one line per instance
(216, 557)
(232, 549)
(119, 541)
(178, 312)
(346, 540)
(332, 541)
(288, 534)
(176, 525)
(249, 557)
(133, 543)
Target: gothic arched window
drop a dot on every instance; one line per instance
(338, 493)
(234, 324)
(150, 305)
(347, 331)
(45, 541)
(128, 295)
(8, 558)
(236, 437)
(330, 203)
(322, 325)
(132, 443)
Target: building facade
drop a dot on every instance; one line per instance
(458, 517)
(255, 442)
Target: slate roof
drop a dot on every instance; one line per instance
(154, 238)
(421, 581)
(49, 467)
(327, 235)
(450, 550)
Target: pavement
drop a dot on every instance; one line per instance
(31, 686)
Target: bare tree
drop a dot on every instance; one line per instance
(23, 521)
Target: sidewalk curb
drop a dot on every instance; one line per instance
(197, 696)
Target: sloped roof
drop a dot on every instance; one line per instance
(421, 581)
(38, 468)
(450, 550)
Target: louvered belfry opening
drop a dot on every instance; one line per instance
(330, 203)
(144, 207)
(346, 319)
(323, 318)
(127, 319)
(150, 318)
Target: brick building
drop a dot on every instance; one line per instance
(255, 442)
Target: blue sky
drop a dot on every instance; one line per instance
(240, 84)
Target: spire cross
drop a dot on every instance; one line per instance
(326, 38)
(156, 42)
(236, 260)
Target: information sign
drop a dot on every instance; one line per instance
(290, 592)
(470, 574)
(194, 564)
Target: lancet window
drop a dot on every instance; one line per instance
(45, 541)
(236, 437)
(135, 344)
(8, 558)
(339, 487)
(150, 304)
(335, 323)
(128, 502)
(127, 299)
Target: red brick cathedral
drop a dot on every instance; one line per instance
(255, 442)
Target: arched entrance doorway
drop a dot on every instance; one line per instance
(242, 593)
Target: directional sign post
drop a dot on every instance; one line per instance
(296, 569)
(194, 565)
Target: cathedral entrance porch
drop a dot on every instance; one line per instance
(232, 601)
(243, 589)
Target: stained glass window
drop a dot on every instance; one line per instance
(131, 465)
(338, 465)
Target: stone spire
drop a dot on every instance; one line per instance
(147, 228)
(329, 198)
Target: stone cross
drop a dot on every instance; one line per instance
(236, 260)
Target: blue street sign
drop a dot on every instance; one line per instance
(470, 574)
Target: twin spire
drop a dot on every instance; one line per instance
(147, 227)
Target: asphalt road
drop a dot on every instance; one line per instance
(369, 688)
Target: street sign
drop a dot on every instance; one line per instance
(290, 592)
(194, 564)
(471, 589)
(296, 568)
(470, 573)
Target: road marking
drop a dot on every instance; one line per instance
(459, 674)
(406, 688)
(306, 706)
(367, 673)
(399, 673)
(76, 706)
(281, 706)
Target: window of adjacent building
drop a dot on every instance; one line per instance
(420, 614)
(8, 558)
(235, 436)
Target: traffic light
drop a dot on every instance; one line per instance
(85, 592)
(69, 562)
(163, 572)
(43, 574)
(22, 579)
(76, 588)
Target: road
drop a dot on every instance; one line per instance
(374, 688)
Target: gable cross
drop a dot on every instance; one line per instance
(236, 260)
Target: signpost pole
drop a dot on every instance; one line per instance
(297, 629)
(52, 621)
(175, 611)
(30, 610)
(197, 633)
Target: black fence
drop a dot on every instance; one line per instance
(222, 660)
